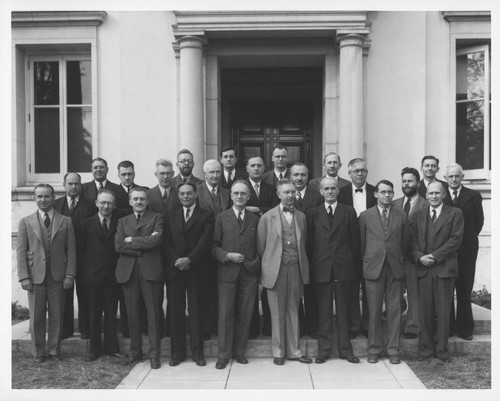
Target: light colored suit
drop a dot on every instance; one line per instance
(47, 276)
(383, 270)
(283, 281)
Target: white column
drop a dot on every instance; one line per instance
(351, 96)
(191, 121)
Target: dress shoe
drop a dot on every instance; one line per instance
(410, 336)
(206, 337)
(55, 358)
(241, 359)
(279, 361)
(221, 363)
(394, 359)
(126, 334)
(91, 357)
(424, 357)
(66, 335)
(351, 358)
(445, 359)
(467, 338)
(320, 360)
(114, 354)
(40, 359)
(134, 359)
(252, 336)
(364, 333)
(313, 335)
(174, 362)
(201, 362)
(155, 363)
(301, 359)
(353, 334)
(372, 358)
(84, 336)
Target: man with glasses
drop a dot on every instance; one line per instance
(185, 164)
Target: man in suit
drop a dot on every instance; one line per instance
(100, 173)
(185, 164)
(384, 242)
(238, 266)
(140, 272)
(279, 171)
(263, 198)
(229, 174)
(429, 167)
(331, 165)
(470, 203)
(333, 249)
(409, 204)
(360, 195)
(96, 250)
(78, 208)
(281, 242)
(306, 198)
(126, 174)
(436, 235)
(46, 266)
(187, 247)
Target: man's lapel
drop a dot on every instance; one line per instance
(194, 217)
(56, 223)
(35, 225)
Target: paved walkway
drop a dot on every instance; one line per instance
(261, 373)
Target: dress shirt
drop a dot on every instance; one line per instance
(277, 173)
(333, 205)
(253, 183)
(98, 184)
(413, 200)
(229, 175)
(288, 215)
(162, 191)
(302, 193)
(359, 199)
(101, 218)
(50, 213)
(453, 190)
(438, 210)
(237, 212)
(381, 211)
(191, 209)
(126, 189)
(210, 188)
(77, 199)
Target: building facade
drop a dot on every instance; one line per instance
(387, 86)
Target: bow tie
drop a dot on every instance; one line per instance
(288, 209)
(358, 190)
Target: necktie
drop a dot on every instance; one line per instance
(229, 179)
(358, 190)
(138, 218)
(455, 198)
(240, 220)
(433, 218)
(407, 206)
(256, 187)
(100, 186)
(72, 205)
(164, 197)
(299, 197)
(128, 190)
(214, 194)
(187, 214)
(281, 176)
(330, 215)
(105, 227)
(184, 180)
(46, 220)
(385, 220)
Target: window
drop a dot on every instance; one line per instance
(59, 116)
(473, 108)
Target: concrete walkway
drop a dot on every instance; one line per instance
(261, 373)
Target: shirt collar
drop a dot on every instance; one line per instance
(236, 212)
(452, 190)
(211, 187)
(381, 209)
(191, 208)
(108, 219)
(277, 173)
(68, 198)
(303, 192)
(98, 184)
(50, 213)
(363, 188)
(333, 205)
(438, 210)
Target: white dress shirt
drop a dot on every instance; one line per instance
(359, 199)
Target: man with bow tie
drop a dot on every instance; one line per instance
(281, 242)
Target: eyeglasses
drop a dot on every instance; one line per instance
(359, 171)
(185, 161)
(106, 203)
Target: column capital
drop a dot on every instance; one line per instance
(189, 41)
(350, 39)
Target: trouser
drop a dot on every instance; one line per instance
(412, 322)
(359, 315)
(69, 313)
(83, 312)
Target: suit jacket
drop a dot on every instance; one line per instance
(96, 251)
(31, 253)
(123, 207)
(470, 203)
(192, 239)
(316, 182)
(443, 245)
(144, 249)
(376, 246)
(205, 198)
(238, 175)
(230, 237)
(270, 245)
(90, 190)
(83, 209)
(336, 249)
(422, 189)
(311, 199)
(267, 196)
(419, 204)
(345, 196)
(156, 202)
(270, 178)
(177, 180)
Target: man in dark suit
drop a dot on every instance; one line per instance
(331, 165)
(46, 266)
(306, 198)
(429, 167)
(126, 174)
(185, 164)
(281, 242)
(409, 204)
(78, 208)
(140, 271)
(238, 266)
(99, 172)
(333, 249)
(187, 253)
(360, 195)
(96, 250)
(384, 242)
(470, 203)
(263, 198)
(229, 174)
(279, 171)
(436, 235)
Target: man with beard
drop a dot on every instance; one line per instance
(230, 174)
(185, 164)
(331, 165)
(99, 172)
(410, 203)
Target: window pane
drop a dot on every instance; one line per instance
(78, 82)
(470, 135)
(47, 141)
(470, 76)
(46, 82)
(79, 139)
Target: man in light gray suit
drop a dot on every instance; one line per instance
(46, 266)
(281, 242)
(410, 203)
